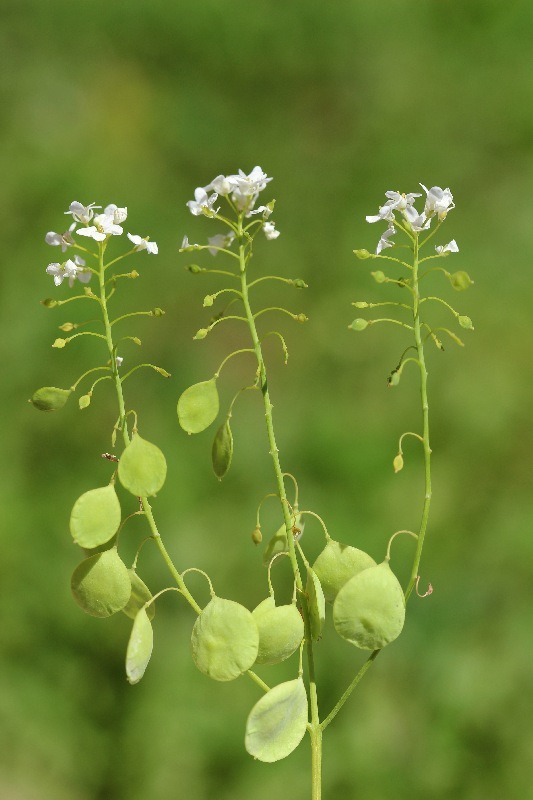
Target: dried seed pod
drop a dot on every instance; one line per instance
(222, 450)
(369, 610)
(142, 468)
(140, 595)
(50, 398)
(225, 640)
(198, 406)
(101, 584)
(140, 647)
(95, 517)
(277, 723)
(316, 604)
(281, 630)
(336, 564)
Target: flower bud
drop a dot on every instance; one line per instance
(358, 325)
(460, 280)
(157, 312)
(362, 254)
(201, 334)
(301, 318)
(84, 401)
(361, 304)
(465, 322)
(208, 300)
(67, 326)
(59, 343)
(194, 268)
(49, 303)
(379, 276)
(299, 283)
(394, 378)
(257, 536)
(398, 462)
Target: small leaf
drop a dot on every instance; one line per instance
(316, 604)
(222, 450)
(101, 584)
(95, 517)
(225, 640)
(142, 468)
(140, 647)
(277, 723)
(198, 406)
(140, 595)
(50, 398)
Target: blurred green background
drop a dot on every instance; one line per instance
(137, 103)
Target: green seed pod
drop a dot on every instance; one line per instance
(316, 604)
(140, 594)
(95, 517)
(257, 536)
(362, 254)
(50, 398)
(465, 322)
(222, 450)
(277, 723)
(225, 640)
(140, 647)
(358, 324)
(142, 468)
(379, 276)
(276, 544)
(336, 564)
(281, 630)
(198, 406)
(460, 280)
(397, 462)
(369, 610)
(101, 584)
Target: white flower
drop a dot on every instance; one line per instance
(201, 201)
(81, 213)
(119, 360)
(451, 247)
(396, 202)
(247, 188)
(222, 184)
(143, 244)
(438, 201)
(119, 214)
(418, 222)
(270, 231)
(103, 227)
(220, 240)
(70, 270)
(60, 239)
(384, 241)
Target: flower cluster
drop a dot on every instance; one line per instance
(438, 203)
(99, 227)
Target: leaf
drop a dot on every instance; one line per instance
(95, 517)
(142, 468)
(140, 647)
(225, 640)
(277, 723)
(222, 451)
(316, 604)
(101, 584)
(198, 406)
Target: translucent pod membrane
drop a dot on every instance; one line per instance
(316, 604)
(198, 406)
(142, 468)
(336, 564)
(281, 630)
(225, 640)
(278, 541)
(140, 646)
(369, 610)
(101, 584)
(140, 595)
(277, 723)
(222, 450)
(50, 398)
(95, 517)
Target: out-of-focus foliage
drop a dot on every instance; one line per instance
(137, 103)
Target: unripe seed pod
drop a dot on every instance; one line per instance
(50, 398)
(359, 324)
(142, 468)
(277, 723)
(95, 517)
(281, 630)
(198, 406)
(101, 584)
(316, 604)
(225, 640)
(336, 564)
(140, 595)
(222, 450)
(140, 647)
(460, 280)
(369, 610)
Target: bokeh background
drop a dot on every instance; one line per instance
(137, 103)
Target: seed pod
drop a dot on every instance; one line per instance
(95, 517)
(278, 542)
(142, 468)
(140, 647)
(336, 564)
(140, 594)
(369, 610)
(316, 604)
(50, 398)
(101, 584)
(225, 640)
(281, 630)
(277, 723)
(198, 406)
(460, 280)
(222, 450)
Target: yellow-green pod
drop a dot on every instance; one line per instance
(142, 468)
(369, 610)
(140, 646)
(101, 584)
(225, 640)
(95, 517)
(140, 595)
(222, 450)
(281, 630)
(336, 564)
(50, 398)
(277, 723)
(198, 406)
(316, 604)
(276, 544)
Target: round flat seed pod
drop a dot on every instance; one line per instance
(369, 610)
(277, 723)
(142, 468)
(222, 450)
(95, 517)
(140, 647)
(101, 584)
(281, 630)
(140, 594)
(316, 604)
(50, 398)
(225, 640)
(336, 564)
(198, 406)
(276, 544)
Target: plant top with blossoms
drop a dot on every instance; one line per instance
(345, 587)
